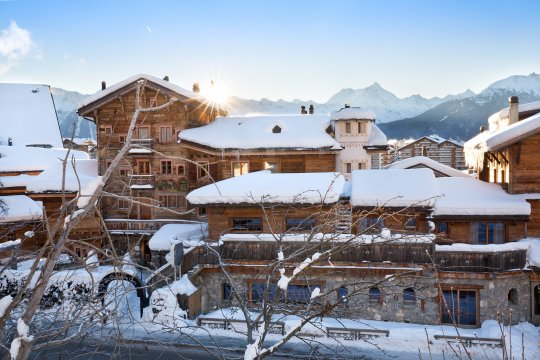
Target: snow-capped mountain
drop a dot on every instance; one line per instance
(66, 103)
(461, 119)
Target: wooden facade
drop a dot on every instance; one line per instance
(445, 151)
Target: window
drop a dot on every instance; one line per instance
(299, 224)
(246, 224)
(165, 134)
(347, 127)
(410, 223)
(124, 172)
(536, 300)
(442, 228)
(181, 170)
(371, 223)
(240, 168)
(227, 292)
(122, 139)
(143, 132)
(361, 127)
(375, 294)
(80, 251)
(203, 169)
(172, 201)
(513, 296)
(459, 307)
(487, 233)
(300, 294)
(343, 294)
(166, 167)
(143, 167)
(123, 203)
(409, 295)
(202, 211)
(362, 166)
(348, 168)
(273, 166)
(108, 130)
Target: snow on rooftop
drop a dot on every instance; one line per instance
(20, 208)
(393, 188)
(350, 113)
(21, 158)
(51, 178)
(271, 131)
(166, 84)
(467, 196)
(377, 137)
(427, 162)
(498, 139)
(505, 113)
(189, 234)
(28, 115)
(266, 187)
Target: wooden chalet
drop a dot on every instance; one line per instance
(445, 151)
(156, 170)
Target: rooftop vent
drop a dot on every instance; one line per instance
(276, 129)
(103, 85)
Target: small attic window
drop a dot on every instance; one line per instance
(276, 129)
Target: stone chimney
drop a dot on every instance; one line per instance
(482, 128)
(166, 78)
(311, 109)
(103, 85)
(303, 110)
(347, 106)
(513, 113)
(196, 88)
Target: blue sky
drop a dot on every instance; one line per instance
(272, 48)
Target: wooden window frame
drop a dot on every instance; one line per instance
(348, 127)
(139, 161)
(348, 168)
(476, 289)
(122, 139)
(278, 165)
(299, 227)
(149, 132)
(486, 223)
(200, 173)
(170, 167)
(284, 298)
(178, 172)
(236, 230)
(172, 200)
(362, 127)
(166, 141)
(108, 129)
(241, 166)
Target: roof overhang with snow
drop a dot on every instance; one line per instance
(102, 97)
(20, 208)
(352, 113)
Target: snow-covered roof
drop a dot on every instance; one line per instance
(350, 113)
(266, 187)
(498, 139)
(463, 196)
(417, 161)
(20, 208)
(28, 115)
(166, 84)
(21, 158)
(377, 137)
(434, 138)
(505, 113)
(188, 234)
(51, 178)
(393, 188)
(294, 132)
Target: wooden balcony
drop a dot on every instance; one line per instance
(142, 147)
(470, 261)
(135, 226)
(141, 182)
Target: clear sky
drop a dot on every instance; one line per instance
(287, 49)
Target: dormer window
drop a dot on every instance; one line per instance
(276, 129)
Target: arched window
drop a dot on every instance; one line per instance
(513, 296)
(375, 294)
(343, 292)
(409, 295)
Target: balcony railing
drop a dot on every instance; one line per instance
(135, 226)
(141, 181)
(142, 143)
(470, 261)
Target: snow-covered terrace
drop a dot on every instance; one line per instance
(499, 139)
(290, 132)
(267, 187)
(20, 208)
(28, 116)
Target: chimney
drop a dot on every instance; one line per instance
(303, 110)
(10, 142)
(196, 88)
(347, 106)
(482, 128)
(166, 78)
(513, 113)
(103, 85)
(311, 109)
